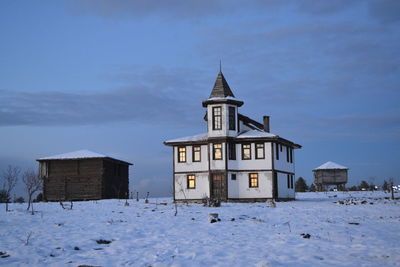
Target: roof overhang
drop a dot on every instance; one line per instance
(222, 101)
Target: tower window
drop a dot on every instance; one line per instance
(182, 154)
(217, 118)
(217, 151)
(232, 118)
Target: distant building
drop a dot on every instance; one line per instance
(83, 175)
(238, 159)
(330, 173)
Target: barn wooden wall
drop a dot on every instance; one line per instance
(86, 179)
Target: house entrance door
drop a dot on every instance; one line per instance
(218, 186)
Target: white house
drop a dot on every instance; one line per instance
(238, 159)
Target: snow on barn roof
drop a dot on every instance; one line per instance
(79, 154)
(193, 138)
(331, 165)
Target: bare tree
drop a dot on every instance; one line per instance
(10, 179)
(33, 183)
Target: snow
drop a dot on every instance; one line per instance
(221, 98)
(79, 154)
(255, 134)
(249, 234)
(331, 165)
(198, 137)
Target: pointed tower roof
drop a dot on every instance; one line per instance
(221, 87)
(222, 93)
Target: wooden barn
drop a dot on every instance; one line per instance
(83, 175)
(330, 173)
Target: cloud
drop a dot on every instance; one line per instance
(386, 11)
(155, 97)
(197, 10)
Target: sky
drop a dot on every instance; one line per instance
(121, 77)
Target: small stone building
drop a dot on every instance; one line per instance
(83, 175)
(330, 173)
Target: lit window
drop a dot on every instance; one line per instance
(196, 153)
(232, 121)
(217, 118)
(253, 180)
(246, 151)
(260, 151)
(181, 154)
(191, 182)
(217, 151)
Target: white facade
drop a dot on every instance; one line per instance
(235, 160)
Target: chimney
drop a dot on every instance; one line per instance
(266, 123)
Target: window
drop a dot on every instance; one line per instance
(281, 147)
(260, 151)
(191, 181)
(232, 120)
(182, 154)
(291, 155)
(217, 118)
(290, 181)
(232, 151)
(287, 154)
(277, 151)
(196, 153)
(233, 176)
(246, 151)
(253, 180)
(291, 176)
(217, 151)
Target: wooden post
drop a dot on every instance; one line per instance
(391, 188)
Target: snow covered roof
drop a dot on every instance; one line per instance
(331, 165)
(193, 138)
(79, 154)
(256, 134)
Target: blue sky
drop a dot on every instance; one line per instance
(120, 77)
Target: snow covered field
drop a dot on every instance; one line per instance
(354, 233)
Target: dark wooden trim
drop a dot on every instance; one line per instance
(188, 172)
(284, 172)
(222, 101)
(274, 176)
(252, 170)
(173, 170)
(226, 173)
(186, 143)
